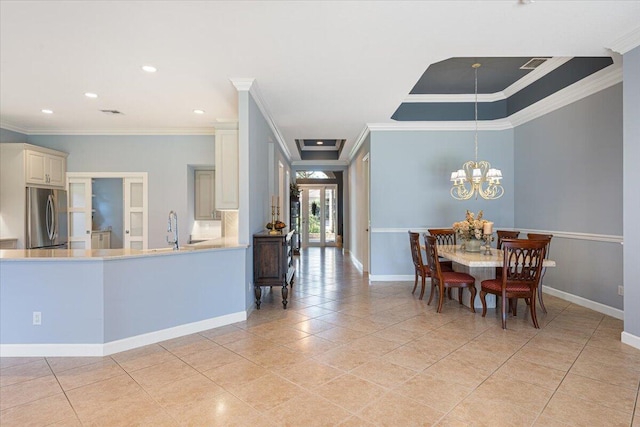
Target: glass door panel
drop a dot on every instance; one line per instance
(319, 213)
(79, 203)
(135, 213)
(329, 215)
(313, 216)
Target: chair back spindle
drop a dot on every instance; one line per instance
(444, 236)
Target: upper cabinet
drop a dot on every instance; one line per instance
(226, 173)
(205, 208)
(45, 167)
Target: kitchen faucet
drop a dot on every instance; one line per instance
(173, 226)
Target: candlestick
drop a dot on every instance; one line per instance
(487, 248)
(487, 228)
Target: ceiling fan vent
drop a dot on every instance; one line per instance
(111, 112)
(533, 63)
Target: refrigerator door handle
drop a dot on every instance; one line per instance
(54, 218)
(49, 217)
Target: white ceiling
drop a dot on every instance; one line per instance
(324, 69)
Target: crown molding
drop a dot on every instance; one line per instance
(106, 132)
(500, 124)
(627, 42)
(12, 128)
(243, 84)
(594, 83)
(455, 97)
(320, 148)
(322, 163)
(226, 126)
(251, 85)
(359, 141)
(590, 85)
(544, 69)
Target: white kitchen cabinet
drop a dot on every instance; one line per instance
(22, 165)
(226, 173)
(205, 207)
(100, 240)
(45, 167)
(8, 243)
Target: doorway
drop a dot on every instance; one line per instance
(319, 215)
(83, 223)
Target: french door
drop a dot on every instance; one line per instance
(319, 215)
(135, 208)
(135, 212)
(79, 203)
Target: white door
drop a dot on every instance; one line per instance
(319, 211)
(135, 213)
(79, 203)
(367, 207)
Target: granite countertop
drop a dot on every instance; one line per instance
(97, 254)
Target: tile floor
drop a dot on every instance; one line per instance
(347, 353)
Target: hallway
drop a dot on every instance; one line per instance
(346, 352)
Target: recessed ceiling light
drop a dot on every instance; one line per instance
(47, 111)
(198, 111)
(90, 95)
(320, 142)
(149, 68)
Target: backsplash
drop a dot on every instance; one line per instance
(206, 230)
(230, 223)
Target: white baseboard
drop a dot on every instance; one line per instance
(51, 350)
(82, 350)
(356, 262)
(595, 306)
(630, 339)
(391, 277)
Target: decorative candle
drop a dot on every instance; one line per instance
(487, 228)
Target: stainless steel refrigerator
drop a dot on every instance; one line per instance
(46, 219)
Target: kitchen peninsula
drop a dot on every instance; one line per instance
(99, 302)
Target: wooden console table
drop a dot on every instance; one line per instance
(273, 263)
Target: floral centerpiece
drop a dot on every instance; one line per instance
(473, 230)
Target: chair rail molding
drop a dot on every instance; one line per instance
(607, 238)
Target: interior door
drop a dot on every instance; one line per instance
(80, 205)
(319, 214)
(135, 213)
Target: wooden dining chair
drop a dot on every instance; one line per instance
(504, 234)
(421, 269)
(547, 238)
(521, 268)
(442, 280)
(445, 236)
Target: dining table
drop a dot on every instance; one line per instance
(481, 265)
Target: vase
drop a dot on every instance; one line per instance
(472, 245)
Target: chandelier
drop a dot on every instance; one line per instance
(476, 177)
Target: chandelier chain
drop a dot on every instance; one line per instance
(476, 111)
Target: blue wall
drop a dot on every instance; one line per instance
(569, 180)
(11, 136)
(410, 186)
(631, 194)
(100, 301)
(165, 158)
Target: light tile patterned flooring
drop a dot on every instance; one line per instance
(348, 353)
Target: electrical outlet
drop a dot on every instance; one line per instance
(621, 290)
(37, 318)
